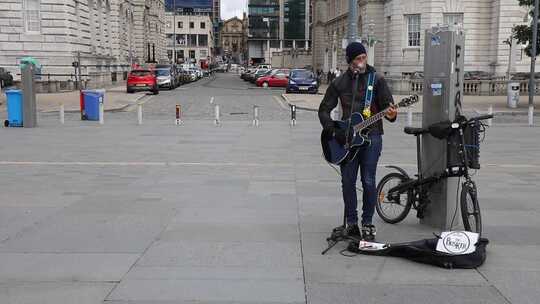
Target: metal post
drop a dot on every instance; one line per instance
(531, 115)
(29, 96)
(178, 115)
(255, 116)
(62, 113)
(174, 32)
(216, 116)
(490, 112)
(78, 70)
(293, 115)
(139, 113)
(353, 21)
(533, 58)
(101, 111)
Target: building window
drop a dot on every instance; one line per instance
(204, 53)
(192, 40)
(203, 40)
(191, 54)
(203, 25)
(192, 25)
(32, 15)
(453, 19)
(180, 24)
(413, 30)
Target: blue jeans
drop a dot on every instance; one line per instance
(366, 159)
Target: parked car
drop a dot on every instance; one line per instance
(301, 80)
(279, 78)
(142, 80)
(259, 73)
(6, 79)
(265, 66)
(246, 73)
(165, 79)
(251, 74)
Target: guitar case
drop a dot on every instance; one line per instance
(424, 251)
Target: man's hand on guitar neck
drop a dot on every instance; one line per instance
(391, 113)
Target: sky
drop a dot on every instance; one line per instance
(231, 8)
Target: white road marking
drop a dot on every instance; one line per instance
(280, 102)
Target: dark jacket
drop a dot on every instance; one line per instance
(342, 88)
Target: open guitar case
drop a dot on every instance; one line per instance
(424, 251)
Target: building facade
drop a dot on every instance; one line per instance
(211, 8)
(399, 26)
(189, 37)
(274, 25)
(106, 35)
(232, 40)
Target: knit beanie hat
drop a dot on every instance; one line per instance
(354, 49)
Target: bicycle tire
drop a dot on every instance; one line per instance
(470, 209)
(381, 198)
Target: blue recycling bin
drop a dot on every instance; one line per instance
(92, 99)
(14, 108)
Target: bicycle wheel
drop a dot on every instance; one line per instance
(392, 207)
(470, 210)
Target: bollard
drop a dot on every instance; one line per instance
(293, 115)
(409, 117)
(531, 115)
(139, 114)
(178, 115)
(490, 112)
(255, 116)
(62, 113)
(216, 116)
(101, 112)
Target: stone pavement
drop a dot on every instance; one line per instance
(479, 104)
(234, 214)
(115, 99)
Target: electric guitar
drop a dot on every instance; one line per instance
(336, 153)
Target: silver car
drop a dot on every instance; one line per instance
(165, 79)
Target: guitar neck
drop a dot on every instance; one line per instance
(373, 119)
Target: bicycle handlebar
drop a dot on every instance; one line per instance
(481, 117)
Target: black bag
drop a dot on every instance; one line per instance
(424, 251)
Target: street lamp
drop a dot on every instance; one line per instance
(267, 20)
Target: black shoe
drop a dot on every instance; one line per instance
(353, 231)
(368, 232)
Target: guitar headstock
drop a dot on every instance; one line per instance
(408, 101)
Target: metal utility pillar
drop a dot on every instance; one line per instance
(29, 96)
(443, 95)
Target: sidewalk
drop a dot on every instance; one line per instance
(236, 214)
(116, 99)
(478, 104)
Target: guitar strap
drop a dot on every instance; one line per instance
(369, 96)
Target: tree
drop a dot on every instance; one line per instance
(523, 33)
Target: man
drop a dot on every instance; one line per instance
(357, 76)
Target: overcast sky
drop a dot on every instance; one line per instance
(231, 8)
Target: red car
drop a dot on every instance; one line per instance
(279, 78)
(142, 80)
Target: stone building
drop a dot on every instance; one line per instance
(107, 36)
(399, 25)
(232, 40)
(194, 37)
